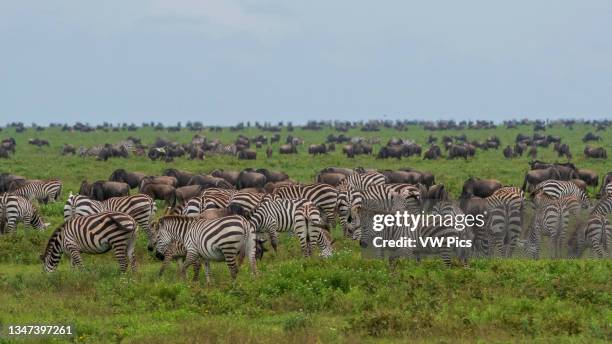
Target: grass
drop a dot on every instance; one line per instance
(343, 299)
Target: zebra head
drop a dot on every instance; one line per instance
(161, 238)
(53, 252)
(69, 206)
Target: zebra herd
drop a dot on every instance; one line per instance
(227, 225)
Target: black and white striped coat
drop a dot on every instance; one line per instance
(324, 196)
(15, 208)
(552, 216)
(140, 207)
(42, 191)
(209, 198)
(228, 239)
(558, 189)
(362, 181)
(379, 198)
(598, 229)
(93, 234)
(244, 203)
(300, 216)
(504, 222)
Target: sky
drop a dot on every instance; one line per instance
(222, 62)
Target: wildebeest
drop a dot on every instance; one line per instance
(566, 170)
(132, 179)
(38, 142)
(167, 180)
(533, 151)
(427, 178)
(534, 177)
(317, 149)
(331, 178)
(433, 153)
(590, 177)
(269, 152)
(458, 151)
(475, 186)
(185, 193)
(182, 178)
(247, 154)
(163, 192)
(591, 137)
(288, 149)
(346, 171)
(6, 179)
(273, 176)
(9, 145)
(230, 176)
(595, 152)
(508, 153)
(207, 181)
(68, 149)
(404, 177)
(249, 178)
(102, 190)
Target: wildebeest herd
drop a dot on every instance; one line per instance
(226, 215)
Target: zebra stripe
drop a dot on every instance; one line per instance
(226, 239)
(15, 208)
(381, 199)
(551, 218)
(362, 181)
(603, 207)
(93, 234)
(504, 222)
(558, 189)
(42, 191)
(140, 207)
(598, 233)
(209, 198)
(300, 216)
(324, 196)
(244, 203)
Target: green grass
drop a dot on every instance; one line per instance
(342, 299)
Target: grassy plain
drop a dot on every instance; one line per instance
(342, 299)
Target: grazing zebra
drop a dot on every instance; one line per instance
(362, 181)
(14, 208)
(558, 189)
(300, 216)
(551, 218)
(140, 207)
(504, 222)
(379, 198)
(435, 229)
(228, 239)
(209, 198)
(606, 191)
(244, 203)
(324, 196)
(42, 191)
(93, 234)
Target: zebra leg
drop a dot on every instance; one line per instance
(121, 256)
(27, 220)
(230, 260)
(130, 252)
(274, 239)
(207, 272)
(75, 256)
(197, 266)
(190, 259)
(445, 254)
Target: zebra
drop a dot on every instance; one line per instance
(551, 218)
(603, 207)
(299, 215)
(504, 222)
(324, 196)
(423, 235)
(228, 239)
(362, 181)
(598, 233)
(379, 198)
(244, 203)
(209, 198)
(14, 208)
(140, 207)
(93, 234)
(560, 188)
(42, 191)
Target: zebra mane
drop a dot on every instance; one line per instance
(52, 239)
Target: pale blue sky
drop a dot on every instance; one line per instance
(221, 62)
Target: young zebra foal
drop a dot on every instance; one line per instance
(92, 234)
(42, 191)
(228, 239)
(14, 208)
